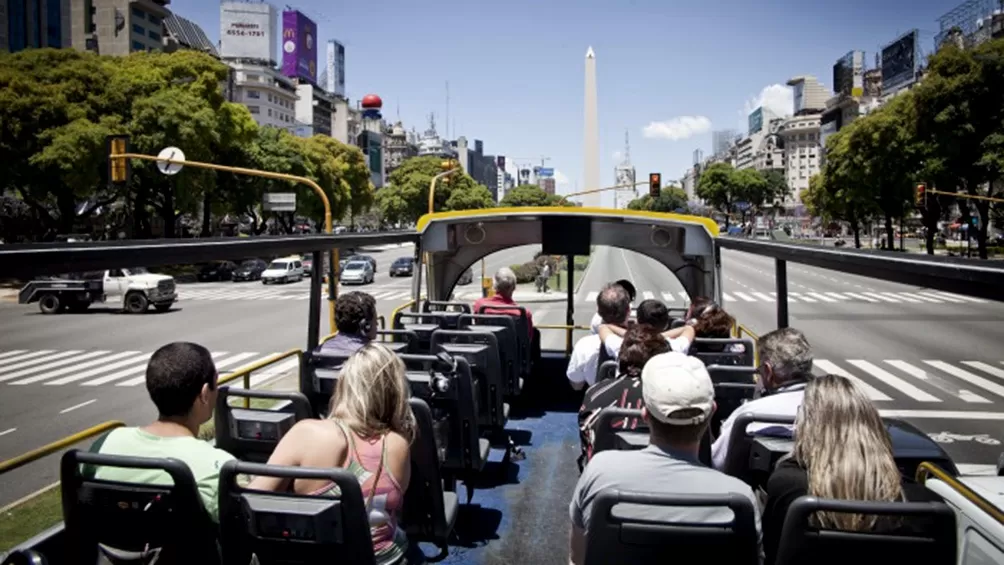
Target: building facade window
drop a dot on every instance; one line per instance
(137, 13)
(136, 28)
(254, 109)
(254, 94)
(153, 35)
(138, 46)
(155, 20)
(53, 24)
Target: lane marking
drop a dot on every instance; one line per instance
(763, 297)
(962, 297)
(872, 392)
(727, 297)
(8, 431)
(883, 298)
(986, 368)
(894, 381)
(968, 377)
(30, 355)
(648, 295)
(837, 295)
(927, 298)
(945, 298)
(860, 296)
(917, 372)
(591, 297)
(821, 296)
(799, 296)
(976, 469)
(902, 296)
(10, 353)
(76, 406)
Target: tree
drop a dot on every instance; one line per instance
(670, 199)
(526, 195)
(716, 188)
(406, 198)
(839, 191)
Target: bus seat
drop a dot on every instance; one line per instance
(424, 323)
(321, 370)
(716, 351)
(446, 306)
(607, 371)
(133, 521)
(445, 383)
(607, 437)
(399, 341)
(733, 386)
(25, 557)
(287, 528)
(504, 329)
(429, 512)
(251, 434)
(482, 353)
(738, 459)
(635, 534)
(522, 332)
(800, 543)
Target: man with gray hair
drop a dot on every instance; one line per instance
(505, 285)
(785, 368)
(614, 307)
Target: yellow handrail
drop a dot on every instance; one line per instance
(740, 330)
(926, 469)
(245, 371)
(393, 314)
(58, 445)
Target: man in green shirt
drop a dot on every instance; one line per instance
(181, 379)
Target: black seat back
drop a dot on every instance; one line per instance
(615, 537)
(445, 306)
(734, 385)
(717, 351)
(25, 557)
(522, 331)
(737, 458)
(282, 527)
(607, 370)
(429, 511)
(933, 542)
(319, 374)
(424, 323)
(251, 434)
(133, 519)
(399, 341)
(482, 353)
(609, 436)
(504, 328)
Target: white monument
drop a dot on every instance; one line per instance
(591, 136)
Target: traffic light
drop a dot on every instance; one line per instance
(920, 197)
(119, 170)
(447, 165)
(654, 184)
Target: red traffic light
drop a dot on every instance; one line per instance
(920, 196)
(654, 184)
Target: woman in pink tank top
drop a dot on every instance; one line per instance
(368, 432)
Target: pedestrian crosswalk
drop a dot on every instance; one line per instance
(300, 293)
(929, 382)
(918, 297)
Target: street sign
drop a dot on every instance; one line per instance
(742, 206)
(280, 201)
(545, 173)
(174, 154)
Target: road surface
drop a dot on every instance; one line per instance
(926, 356)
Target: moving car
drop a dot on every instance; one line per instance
(285, 270)
(357, 272)
(249, 270)
(135, 289)
(216, 271)
(369, 259)
(402, 267)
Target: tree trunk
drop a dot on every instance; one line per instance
(167, 213)
(890, 239)
(983, 209)
(206, 214)
(856, 228)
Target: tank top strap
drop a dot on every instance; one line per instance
(352, 454)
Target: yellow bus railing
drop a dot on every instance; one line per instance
(58, 445)
(568, 332)
(926, 470)
(743, 331)
(245, 371)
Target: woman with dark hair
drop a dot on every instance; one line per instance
(641, 343)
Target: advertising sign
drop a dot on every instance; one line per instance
(299, 46)
(336, 68)
(900, 61)
(756, 121)
(545, 172)
(247, 31)
(848, 74)
(280, 201)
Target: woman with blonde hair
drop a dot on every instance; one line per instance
(842, 451)
(368, 432)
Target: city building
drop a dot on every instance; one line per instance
(429, 143)
(548, 185)
(482, 168)
(689, 181)
(800, 136)
(182, 33)
(399, 145)
(809, 95)
(314, 107)
(856, 92)
(759, 149)
(269, 96)
(976, 20)
(27, 24)
(722, 140)
(118, 27)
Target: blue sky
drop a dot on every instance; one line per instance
(515, 68)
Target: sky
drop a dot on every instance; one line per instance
(668, 71)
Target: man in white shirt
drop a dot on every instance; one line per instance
(785, 368)
(613, 305)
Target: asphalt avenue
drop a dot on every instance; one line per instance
(929, 357)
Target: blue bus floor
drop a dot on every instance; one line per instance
(520, 514)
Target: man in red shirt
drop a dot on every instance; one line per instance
(505, 284)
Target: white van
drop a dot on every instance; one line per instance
(287, 269)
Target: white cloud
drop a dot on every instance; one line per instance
(674, 129)
(777, 98)
(560, 178)
(617, 156)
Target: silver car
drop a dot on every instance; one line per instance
(357, 272)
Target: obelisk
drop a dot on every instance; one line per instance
(591, 135)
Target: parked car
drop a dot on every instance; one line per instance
(285, 270)
(467, 277)
(366, 258)
(357, 272)
(249, 270)
(216, 271)
(402, 267)
(308, 264)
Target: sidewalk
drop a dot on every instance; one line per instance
(525, 294)
(8, 294)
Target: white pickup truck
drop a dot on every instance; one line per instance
(134, 288)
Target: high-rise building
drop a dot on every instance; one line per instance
(591, 134)
(334, 70)
(314, 107)
(722, 140)
(800, 134)
(269, 96)
(118, 27)
(27, 24)
(248, 32)
(809, 95)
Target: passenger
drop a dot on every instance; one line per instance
(368, 433)
(614, 306)
(713, 322)
(655, 314)
(356, 319)
(181, 380)
(678, 403)
(505, 285)
(785, 368)
(641, 343)
(632, 293)
(842, 451)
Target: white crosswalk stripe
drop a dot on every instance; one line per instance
(810, 296)
(892, 382)
(229, 294)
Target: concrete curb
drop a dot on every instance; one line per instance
(521, 298)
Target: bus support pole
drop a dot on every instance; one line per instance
(781, 278)
(569, 312)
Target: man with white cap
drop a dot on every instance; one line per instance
(679, 401)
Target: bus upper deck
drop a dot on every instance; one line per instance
(496, 421)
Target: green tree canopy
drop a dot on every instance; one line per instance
(406, 198)
(671, 199)
(529, 195)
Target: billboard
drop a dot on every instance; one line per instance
(755, 121)
(247, 31)
(545, 172)
(299, 46)
(849, 74)
(336, 68)
(500, 162)
(900, 61)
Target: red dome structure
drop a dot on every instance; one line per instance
(372, 101)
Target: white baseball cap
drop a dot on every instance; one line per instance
(672, 383)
